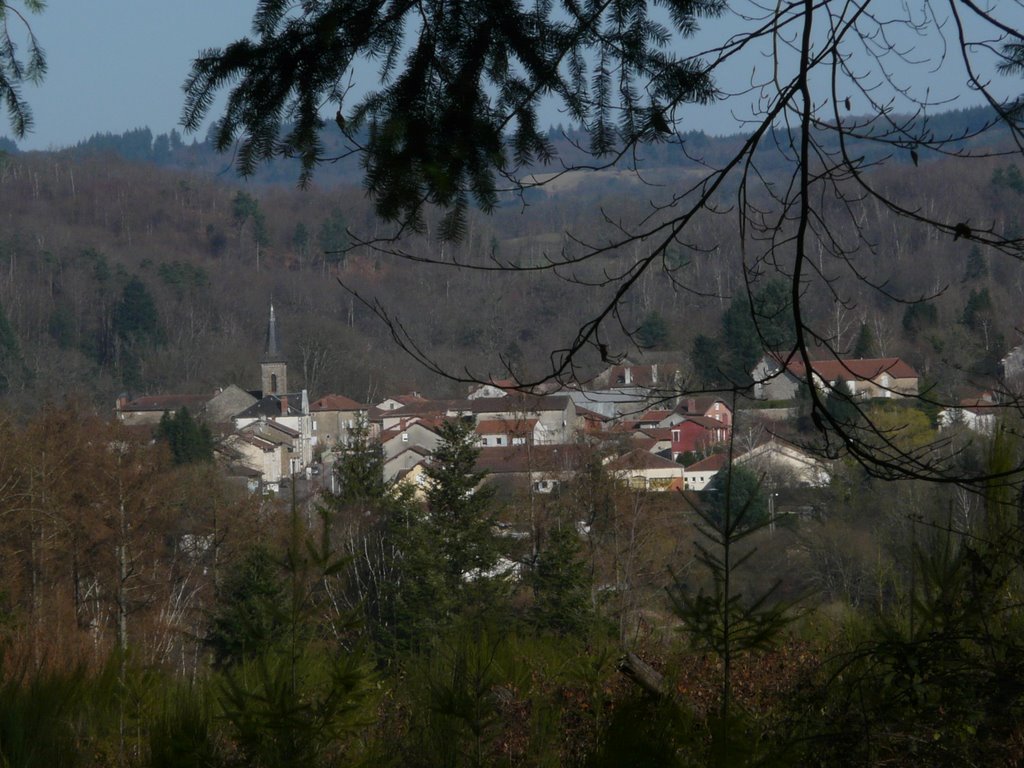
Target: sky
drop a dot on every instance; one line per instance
(115, 65)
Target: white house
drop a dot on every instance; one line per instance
(977, 414)
(786, 465)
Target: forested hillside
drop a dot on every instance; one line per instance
(120, 275)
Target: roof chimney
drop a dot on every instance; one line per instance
(284, 405)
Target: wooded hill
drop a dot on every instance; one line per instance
(120, 274)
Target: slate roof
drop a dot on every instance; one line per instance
(272, 353)
(270, 405)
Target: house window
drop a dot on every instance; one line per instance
(675, 435)
(405, 437)
(273, 383)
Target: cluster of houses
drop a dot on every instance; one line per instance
(631, 418)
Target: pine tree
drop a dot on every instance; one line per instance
(706, 359)
(741, 340)
(446, 550)
(333, 238)
(561, 585)
(459, 509)
(190, 441)
(653, 331)
(135, 316)
(359, 472)
(865, 346)
(976, 266)
(249, 617)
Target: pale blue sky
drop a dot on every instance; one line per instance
(119, 64)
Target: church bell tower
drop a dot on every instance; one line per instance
(273, 366)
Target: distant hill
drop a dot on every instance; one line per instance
(697, 149)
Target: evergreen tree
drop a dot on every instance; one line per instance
(722, 619)
(190, 441)
(653, 331)
(865, 346)
(246, 208)
(976, 266)
(977, 309)
(440, 140)
(446, 550)
(1009, 177)
(294, 690)
(161, 149)
(839, 403)
(249, 617)
(459, 509)
(12, 365)
(706, 360)
(359, 472)
(774, 316)
(561, 585)
(300, 241)
(135, 316)
(333, 237)
(739, 489)
(919, 316)
(741, 342)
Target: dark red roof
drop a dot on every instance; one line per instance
(336, 403)
(641, 459)
(865, 369)
(712, 463)
(167, 402)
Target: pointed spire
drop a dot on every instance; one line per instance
(272, 354)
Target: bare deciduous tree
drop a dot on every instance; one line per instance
(829, 95)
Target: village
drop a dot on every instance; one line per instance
(648, 435)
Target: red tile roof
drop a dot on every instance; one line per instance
(167, 402)
(861, 369)
(707, 422)
(505, 426)
(336, 403)
(655, 415)
(640, 459)
(712, 463)
(531, 458)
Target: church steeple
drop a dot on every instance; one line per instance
(273, 365)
